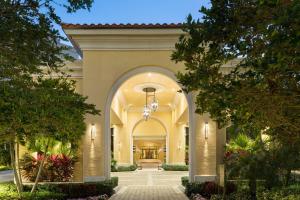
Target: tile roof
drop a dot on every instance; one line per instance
(122, 26)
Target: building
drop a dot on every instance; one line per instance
(119, 64)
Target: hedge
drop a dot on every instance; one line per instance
(125, 168)
(184, 181)
(60, 191)
(81, 190)
(175, 167)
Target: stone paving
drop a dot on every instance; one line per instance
(149, 185)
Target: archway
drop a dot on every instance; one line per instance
(113, 91)
(164, 134)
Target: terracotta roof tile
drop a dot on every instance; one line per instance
(122, 26)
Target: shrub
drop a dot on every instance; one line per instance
(114, 181)
(126, 168)
(8, 191)
(57, 168)
(206, 189)
(113, 165)
(175, 167)
(58, 191)
(3, 168)
(4, 156)
(288, 193)
(184, 180)
(80, 190)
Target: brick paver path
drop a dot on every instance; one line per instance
(149, 185)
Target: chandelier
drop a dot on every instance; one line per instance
(152, 107)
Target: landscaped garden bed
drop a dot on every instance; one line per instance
(212, 191)
(61, 191)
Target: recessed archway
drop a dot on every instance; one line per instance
(164, 133)
(114, 89)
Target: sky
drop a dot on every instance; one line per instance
(134, 11)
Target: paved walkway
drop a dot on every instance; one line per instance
(149, 185)
(6, 176)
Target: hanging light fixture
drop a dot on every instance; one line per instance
(150, 92)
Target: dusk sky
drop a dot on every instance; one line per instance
(135, 11)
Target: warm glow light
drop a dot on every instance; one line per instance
(146, 112)
(206, 130)
(154, 105)
(93, 132)
(149, 74)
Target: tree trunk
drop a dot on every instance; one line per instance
(40, 170)
(18, 164)
(252, 187)
(13, 164)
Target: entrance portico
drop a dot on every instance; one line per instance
(111, 55)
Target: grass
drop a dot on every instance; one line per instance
(4, 168)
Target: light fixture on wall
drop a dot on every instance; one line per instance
(150, 92)
(179, 145)
(206, 130)
(93, 132)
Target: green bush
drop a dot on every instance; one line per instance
(4, 155)
(113, 165)
(8, 191)
(3, 168)
(184, 180)
(114, 181)
(126, 168)
(206, 189)
(288, 193)
(58, 191)
(80, 190)
(175, 167)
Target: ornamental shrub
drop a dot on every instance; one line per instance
(57, 168)
(184, 180)
(206, 189)
(175, 167)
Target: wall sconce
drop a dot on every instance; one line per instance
(206, 130)
(179, 146)
(93, 132)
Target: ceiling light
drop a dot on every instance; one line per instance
(150, 92)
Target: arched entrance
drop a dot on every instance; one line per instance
(160, 135)
(114, 89)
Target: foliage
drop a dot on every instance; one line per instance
(289, 193)
(126, 168)
(80, 190)
(114, 181)
(184, 181)
(29, 44)
(4, 155)
(57, 168)
(8, 191)
(4, 168)
(113, 165)
(258, 90)
(167, 167)
(102, 190)
(205, 189)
